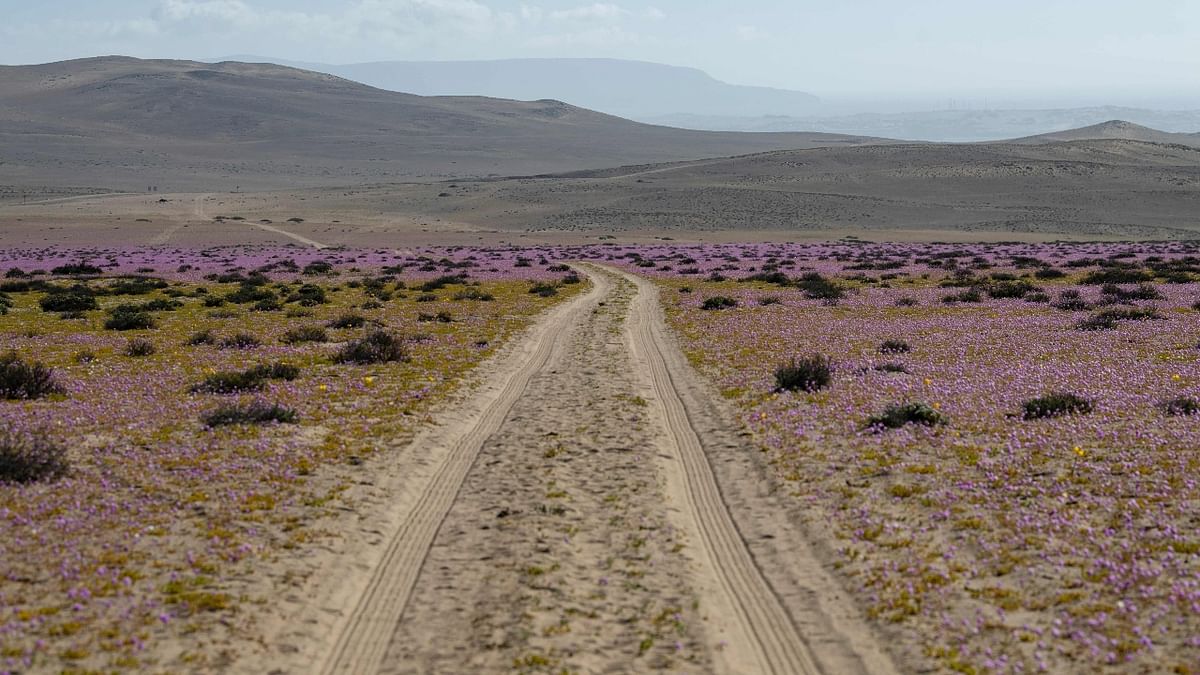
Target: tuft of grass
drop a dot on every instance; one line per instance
(20, 380)
(810, 373)
(28, 457)
(377, 347)
(254, 379)
(257, 412)
(1055, 404)
(914, 412)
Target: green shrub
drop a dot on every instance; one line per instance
(139, 347)
(901, 414)
(257, 412)
(305, 334)
(718, 302)
(24, 381)
(807, 374)
(28, 457)
(377, 347)
(1055, 404)
(1181, 406)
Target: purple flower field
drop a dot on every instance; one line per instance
(1002, 455)
(157, 509)
(1000, 539)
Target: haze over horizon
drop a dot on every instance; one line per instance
(875, 56)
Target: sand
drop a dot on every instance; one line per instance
(591, 506)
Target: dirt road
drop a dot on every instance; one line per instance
(569, 517)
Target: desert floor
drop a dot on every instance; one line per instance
(588, 506)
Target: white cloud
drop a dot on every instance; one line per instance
(600, 10)
(751, 33)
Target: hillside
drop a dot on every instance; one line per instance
(634, 89)
(1094, 188)
(1114, 130)
(123, 123)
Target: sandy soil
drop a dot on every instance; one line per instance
(588, 507)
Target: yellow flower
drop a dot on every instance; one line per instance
(1177, 377)
(937, 406)
(322, 387)
(369, 380)
(928, 381)
(1080, 451)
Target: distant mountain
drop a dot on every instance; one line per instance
(946, 125)
(185, 125)
(634, 89)
(1114, 130)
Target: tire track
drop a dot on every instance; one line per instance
(362, 643)
(764, 637)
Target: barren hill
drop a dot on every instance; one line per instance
(123, 123)
(1114, 130)
(634, 89)
(1096, 188)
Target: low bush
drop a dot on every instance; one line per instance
(204, 337)
(1181, 406)
(891, 368)
(718, 302)
(894, 347)
(123, 318)
(1055, 404)
(348, 321)
(474, 294)
(305, 334)
(914, 412)
(75, 299)
(1109, 318)
(257, 412)
(29, 457)
(309, 295)
(253, 379)
(377, 347)
(241, 341)
(810, 373)
(20, 380)
(139, 347)
(818, 287)
(544, 289)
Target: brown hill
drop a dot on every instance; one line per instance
(1113, 130)
(125, 123)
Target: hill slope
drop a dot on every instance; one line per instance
(1114, 130)
(1095, 188)
(126, 123)
(635, 89)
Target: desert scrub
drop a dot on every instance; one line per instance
(253, 379)
(256, 412)
(26, 380)
(806, 374)
(1055, 404)
(717, 302)
(376, 347)
(915, 412)
(305, 334)
(27, 457)
(138, 347)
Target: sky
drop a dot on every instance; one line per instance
(953, 52)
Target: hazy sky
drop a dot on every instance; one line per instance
(1119, 50)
